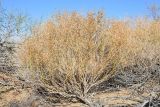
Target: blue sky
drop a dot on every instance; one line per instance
(38, 9)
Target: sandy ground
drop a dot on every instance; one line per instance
(12, 92)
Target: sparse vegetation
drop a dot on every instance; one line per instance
(12, 25)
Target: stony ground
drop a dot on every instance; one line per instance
(18, 93)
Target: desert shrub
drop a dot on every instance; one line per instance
(71, 53)
(12, 25)
(143, 61)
